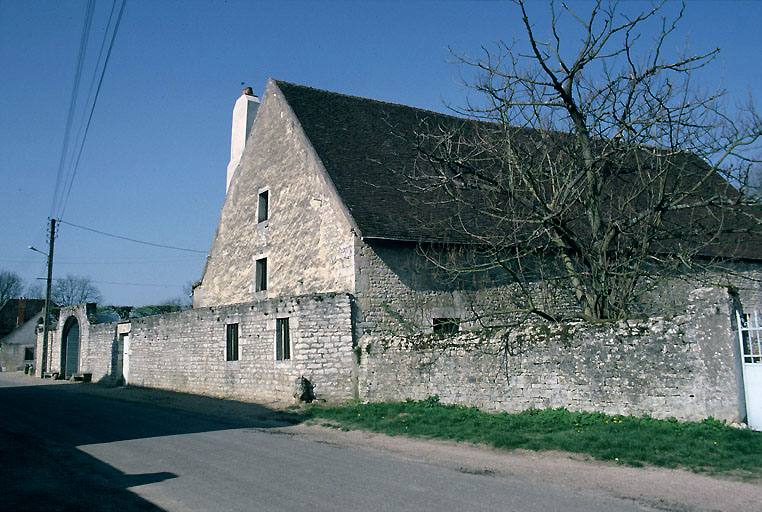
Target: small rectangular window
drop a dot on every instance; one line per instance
(28, 353)
(231, 352)
(282, 342)
(262, 206)
(260, 275)
(446, 325)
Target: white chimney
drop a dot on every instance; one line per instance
(244, 112)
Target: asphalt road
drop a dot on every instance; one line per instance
(65, 449)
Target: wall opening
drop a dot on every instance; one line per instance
(260, 275)
(231, 349)
(70, 348)
(445, 325)
(262, 206)
(282, 341)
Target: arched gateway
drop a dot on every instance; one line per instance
(70, 348)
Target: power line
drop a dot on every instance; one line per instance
(63, 261)
(95, 100)
(84, 36)
(97, 65)
(141, 284)
(121, 284)
(131, 239)
(79, 136)
(124, 259)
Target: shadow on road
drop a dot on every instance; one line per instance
(41, 466)
(39, 475)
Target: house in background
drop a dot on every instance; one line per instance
(18, 321)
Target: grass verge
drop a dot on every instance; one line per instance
(703, 446)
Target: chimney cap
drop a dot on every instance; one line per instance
(248, 91)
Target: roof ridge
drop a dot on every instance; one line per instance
(384, 102)
(419, 109)
(452, 116)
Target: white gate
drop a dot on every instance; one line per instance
(750, 337)
(126, 359)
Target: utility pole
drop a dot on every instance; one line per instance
(45, 320)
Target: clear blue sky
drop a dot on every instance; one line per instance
(154, 164)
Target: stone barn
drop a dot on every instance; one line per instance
(320, 271)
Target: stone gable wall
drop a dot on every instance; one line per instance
(307, 238)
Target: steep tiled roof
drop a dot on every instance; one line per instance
(365, 146)
(366, 158)
(9, 312)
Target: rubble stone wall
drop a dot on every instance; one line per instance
(685, 366)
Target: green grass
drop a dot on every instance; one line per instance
(706, 446)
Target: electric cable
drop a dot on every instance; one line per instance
(121, 284)
(141, 284)
(79, 138)
(92, 109)
(79, 261)
(84, 37)
(131, 239)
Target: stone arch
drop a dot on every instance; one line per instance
(70, 347)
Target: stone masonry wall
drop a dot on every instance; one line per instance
(85, 315)
(185, 351)
(100, 353)
(398, 291)
(682, 367)
(98, 349)
(307, 238)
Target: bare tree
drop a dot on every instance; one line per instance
(11, 285)
(602, 168)
(35, 291)
(72, 289)
(182, 301)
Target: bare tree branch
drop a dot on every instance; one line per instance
(597, 167)
(11, 285)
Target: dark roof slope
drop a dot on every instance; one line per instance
(17, 311)
(367, 148)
